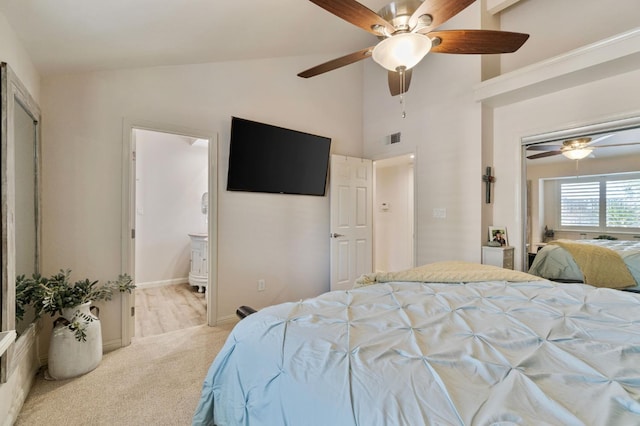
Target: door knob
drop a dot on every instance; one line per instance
(334, 235)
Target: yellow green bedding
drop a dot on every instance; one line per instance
(600, 266)
(447, 272)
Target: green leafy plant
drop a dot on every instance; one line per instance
(52, 295)
(28, 290)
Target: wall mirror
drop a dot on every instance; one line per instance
(612, 153)
(20, 208)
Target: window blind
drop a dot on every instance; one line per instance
(623, 203)
(580, 204)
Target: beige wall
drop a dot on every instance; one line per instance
(12, 52)
(443, 128)
(14, 392)
(561, 110)
(558, 26)
(555, 28)
(455, 138)
(282, 239)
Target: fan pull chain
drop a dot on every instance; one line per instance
(401, 71)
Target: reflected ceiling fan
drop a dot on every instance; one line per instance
(574, 149)
(405, 29)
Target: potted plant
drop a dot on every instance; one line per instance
(76, 340)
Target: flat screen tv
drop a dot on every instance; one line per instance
(266, 158)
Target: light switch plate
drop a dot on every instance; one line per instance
(440, 213)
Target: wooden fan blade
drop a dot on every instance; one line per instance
(337, 63)
(544, 154)
(476, 41)
(543, 148)
(439, 10)
(356, 14)
(395, 85)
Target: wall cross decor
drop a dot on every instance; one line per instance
(488, 180)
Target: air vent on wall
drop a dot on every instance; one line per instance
(395, 138)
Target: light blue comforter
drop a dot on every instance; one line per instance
(428, 353)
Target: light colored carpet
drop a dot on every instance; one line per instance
(154, 381)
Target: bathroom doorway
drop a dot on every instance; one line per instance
(171, 206)
(171, 197)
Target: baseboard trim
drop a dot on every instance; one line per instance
(151, 284)
(111, 345)
(229, 319)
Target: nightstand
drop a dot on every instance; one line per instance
(498, 256)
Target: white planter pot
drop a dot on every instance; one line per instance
(69, 357)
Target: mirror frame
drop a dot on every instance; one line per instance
(15, 94)
(614, 125)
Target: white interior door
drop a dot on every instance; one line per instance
(129, 232)
(351, 199)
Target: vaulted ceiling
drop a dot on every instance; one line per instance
(78, 35)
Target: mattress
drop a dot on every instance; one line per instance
(413, 353)
(555, 263)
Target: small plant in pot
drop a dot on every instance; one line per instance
(57, 293)
(76, 339)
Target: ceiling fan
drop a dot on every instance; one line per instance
(405, 30)
(574, 149)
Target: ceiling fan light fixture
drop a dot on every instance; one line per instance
(577, 154)
(401, 50)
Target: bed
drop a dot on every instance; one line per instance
(412, 350)
(556, 261)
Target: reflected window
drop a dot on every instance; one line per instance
(599, 203)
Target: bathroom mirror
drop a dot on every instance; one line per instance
(20, 207)
(615, 151)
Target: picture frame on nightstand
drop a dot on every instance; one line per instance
(498, 234)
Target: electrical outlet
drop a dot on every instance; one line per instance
(261, 285)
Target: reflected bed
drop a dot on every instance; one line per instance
(556, 263)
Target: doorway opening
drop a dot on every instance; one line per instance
(171, 230)
(170, 206)
(394, 214)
